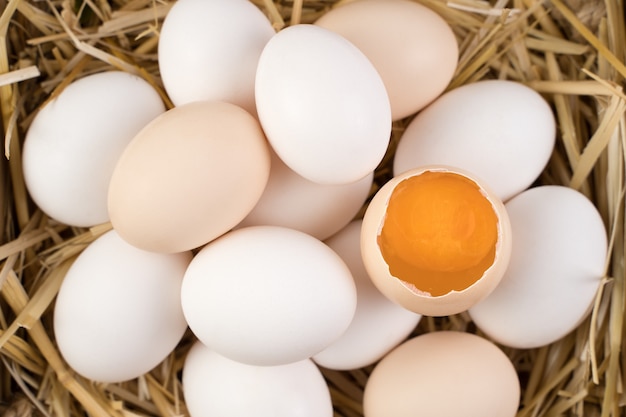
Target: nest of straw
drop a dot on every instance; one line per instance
(572, 52)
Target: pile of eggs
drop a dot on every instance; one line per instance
(234, 214)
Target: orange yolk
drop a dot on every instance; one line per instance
(439, 233)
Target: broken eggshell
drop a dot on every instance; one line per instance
(488, 272)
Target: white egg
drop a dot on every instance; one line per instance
(268, 295)
(217, 386)
(501, 131)
(557, 262)
(209, 49)
(320, 210)
(322, 105)
(74, 142)
(378, 325)
(118, 311)
(413, 48)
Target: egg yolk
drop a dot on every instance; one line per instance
(439, 233)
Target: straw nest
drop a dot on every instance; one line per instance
(572, 52)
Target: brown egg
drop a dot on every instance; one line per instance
(189, 176)
(436, 240)
(411, 46)
(444, 373)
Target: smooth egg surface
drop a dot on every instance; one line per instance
(413, 48)
(321, 210)
(378, 325)
(443, 374)
(501, 131)
(74, 142)
(557, 263)
(118, 312)
(268, 295)
(435, 240)
(217, 386)
(323, 106)
(188, 177)
(209, 50)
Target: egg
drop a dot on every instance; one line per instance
(188, 177)
(118, 312)
(268, 295)
(378, 325)
(443, 374)
(75, 140)
(413, 48)
(209, 50)
(322, 105)
(499, 130)
(217, 386)
(319, 210)
(557, 263)
(436, 240)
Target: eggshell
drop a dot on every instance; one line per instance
(443, 374)
(320, 210)
(216, 386)
(322, 105)
(499, 130)
(75, 140)
(209, 50)
(413, 48)
(268, 295)
(118, 312)
(557, 263)
(378, 324)
(188, 177)
(406, 294)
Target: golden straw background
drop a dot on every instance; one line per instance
(570, 51)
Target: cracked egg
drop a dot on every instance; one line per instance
(436, 240)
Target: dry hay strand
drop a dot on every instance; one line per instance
(572, 52)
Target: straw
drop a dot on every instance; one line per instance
(19, 75)
(571, 52)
